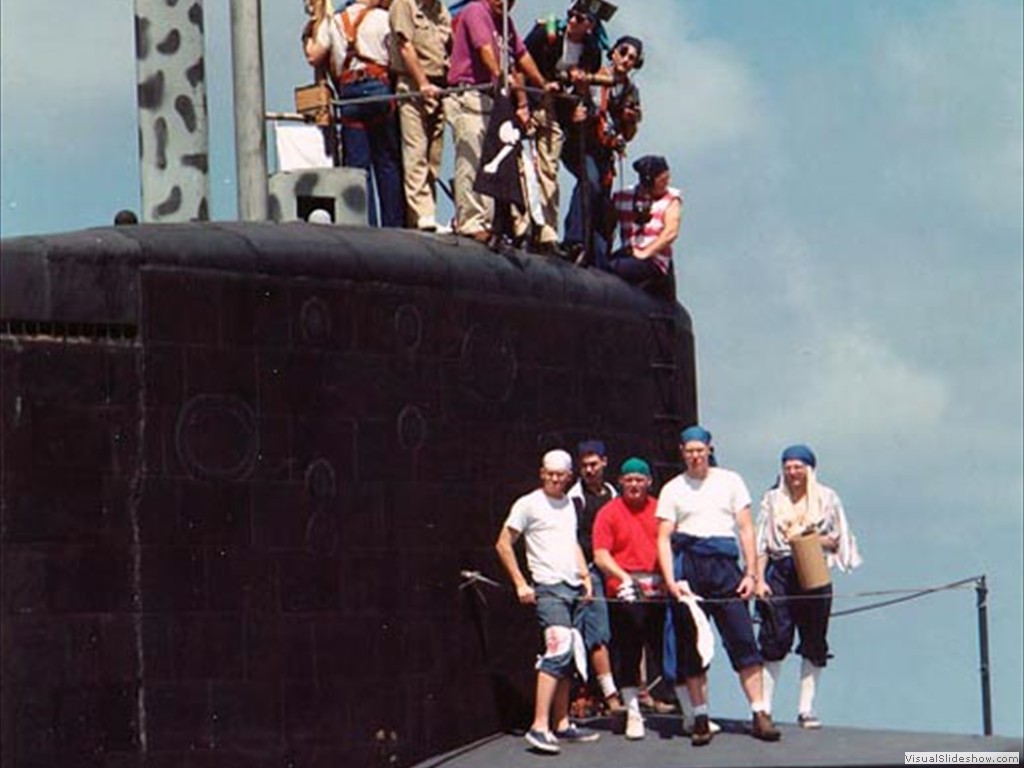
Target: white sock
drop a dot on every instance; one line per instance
(809, 675)
(770, 673)
(685, 703)
(629, 698)
(700, 709)
(607, 683)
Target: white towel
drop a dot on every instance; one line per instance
(300, 146)
(705, 640)
(579, 651)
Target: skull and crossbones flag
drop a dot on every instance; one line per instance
(498, 176)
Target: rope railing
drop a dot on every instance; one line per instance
(906, 594)
(414, 95)
(978, 583)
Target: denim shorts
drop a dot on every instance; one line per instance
(559, 605)
(595, 627)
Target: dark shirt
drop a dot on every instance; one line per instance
(585, 516)
(547, 53)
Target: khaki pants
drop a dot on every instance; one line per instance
(548, 139)
(422, 125)
(468, 114)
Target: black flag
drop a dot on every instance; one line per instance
(498, 176)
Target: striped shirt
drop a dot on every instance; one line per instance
(639, 237)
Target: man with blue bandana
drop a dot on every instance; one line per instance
(546, 520)
(701, 514)
(798, 505)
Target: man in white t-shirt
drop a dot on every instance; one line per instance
(701, 513)
(546, 520)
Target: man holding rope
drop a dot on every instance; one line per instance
(626, 550)
(700, 513)
(795, 508)
(546, 519)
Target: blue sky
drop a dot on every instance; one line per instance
(852, 254)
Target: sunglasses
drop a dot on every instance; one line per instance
(578, 17)
(627, 52)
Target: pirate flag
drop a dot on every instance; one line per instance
(498, 176)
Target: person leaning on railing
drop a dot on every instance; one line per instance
(476, 60)
(565, 51)
(353, 43)
(608, 120)
(421, 33)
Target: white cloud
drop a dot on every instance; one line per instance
(699, 95)
(709, 100)
(953, 79)
(861, 388)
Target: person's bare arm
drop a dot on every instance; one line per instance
(505, 547)
(603, 559)
(745, 531)
(415, 68)
(667, 236)
(665, 560)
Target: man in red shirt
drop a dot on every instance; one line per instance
(626, 550)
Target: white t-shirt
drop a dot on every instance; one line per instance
(548, 527)
(371, 37)
(571, 53)
(705, 507)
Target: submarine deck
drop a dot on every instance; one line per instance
(666, 747)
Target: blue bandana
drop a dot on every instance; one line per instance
(695, 433)
(800, 453)
(591, 446)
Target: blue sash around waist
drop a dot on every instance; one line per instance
(724, 546)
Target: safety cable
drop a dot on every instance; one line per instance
(473, 578)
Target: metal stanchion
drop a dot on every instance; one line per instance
(981, 588)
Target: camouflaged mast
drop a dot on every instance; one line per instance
(171, 95)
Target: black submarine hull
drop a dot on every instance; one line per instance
(244, 467)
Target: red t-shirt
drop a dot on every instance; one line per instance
(630, 536)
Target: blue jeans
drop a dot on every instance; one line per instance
(632, 269)
(597, 205)
(377, 149)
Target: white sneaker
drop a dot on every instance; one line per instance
(634, 725)
(809, 721)
(426, 224)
